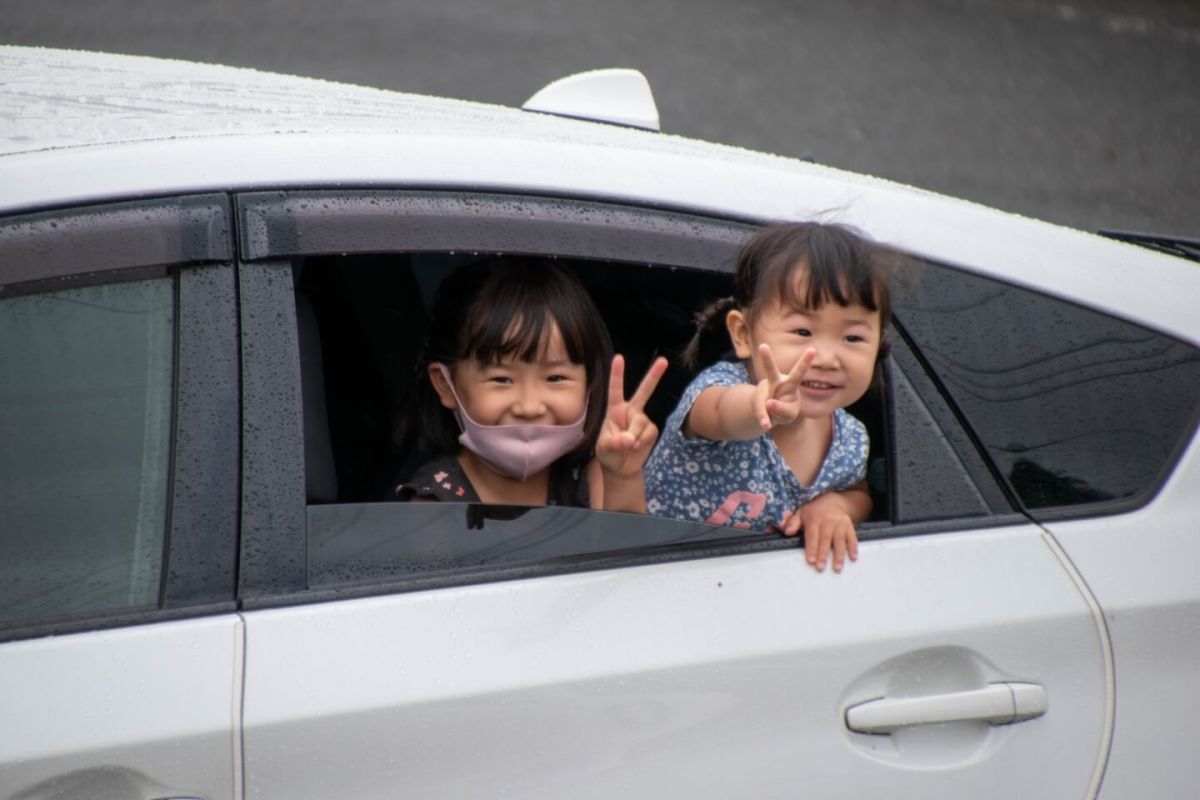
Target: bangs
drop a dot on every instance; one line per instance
(515, 319)
(525, 337)
(810, 286)
(809, 265)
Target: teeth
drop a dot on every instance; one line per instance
(818, 385)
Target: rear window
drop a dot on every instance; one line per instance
(1075, 407)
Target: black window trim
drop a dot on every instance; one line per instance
(322, 222)
(77, 241)
(189, 240)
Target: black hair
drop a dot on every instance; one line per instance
(842, 265)
(500, 308)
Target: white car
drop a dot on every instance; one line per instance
(213, 287)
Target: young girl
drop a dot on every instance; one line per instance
(511, 404)
(765, 443)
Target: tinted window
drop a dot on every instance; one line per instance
(1074, 406)
(368, 543)
(361, 321)
(86, 378)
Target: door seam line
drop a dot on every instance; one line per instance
(1101, 625)
(239, 706)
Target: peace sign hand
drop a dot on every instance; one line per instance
(628, 434)
(778, 400)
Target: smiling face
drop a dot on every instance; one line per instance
(550, 390)
(846, 340)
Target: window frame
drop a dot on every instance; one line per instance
(275, 227)
(187, 239)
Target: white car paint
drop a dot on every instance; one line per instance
(1141, 567)
(621, 96)
(724, 677)
(147, 711)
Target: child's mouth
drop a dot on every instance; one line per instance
(820, 386)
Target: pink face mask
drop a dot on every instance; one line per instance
(516, 451)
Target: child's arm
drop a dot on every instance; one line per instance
(733, 413)
(626, 438)
(828, 523)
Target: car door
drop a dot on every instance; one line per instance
(119, 645)
(438, 650)
(1091, 420)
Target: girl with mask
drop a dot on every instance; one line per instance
(519, 400)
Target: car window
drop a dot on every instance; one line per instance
(359, 270)
(361, 320)
(1076, 408)
(86, 382)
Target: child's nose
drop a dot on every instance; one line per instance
(826, 355)
(529, 404)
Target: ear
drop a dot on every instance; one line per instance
(441, 385)
(739, 333)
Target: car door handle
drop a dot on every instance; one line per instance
(996, 703)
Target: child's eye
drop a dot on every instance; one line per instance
(855, 338)
(802, 332)
(501, 379)
(558, 378)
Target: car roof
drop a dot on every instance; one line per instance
(79, 127)
(66, 98)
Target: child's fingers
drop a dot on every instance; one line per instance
(824, 544)
(802, 364)
(633, 433)
(839, 552)
(649, 384)
(647, 437)
(823, 552)
(791, 523)
(769, 365)
(852, 544)
(761, 396)
(616, 382)
(637, 425)
(642, 430)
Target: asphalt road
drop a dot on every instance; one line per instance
(1084, 113)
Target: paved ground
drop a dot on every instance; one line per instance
(1086, 113)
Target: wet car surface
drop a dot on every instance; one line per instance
(213, 286)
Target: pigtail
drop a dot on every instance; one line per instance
(710, 340)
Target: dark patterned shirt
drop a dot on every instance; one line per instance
(442, 478)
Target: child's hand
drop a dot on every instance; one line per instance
(628, 434)
(827, 527)
(778, 400)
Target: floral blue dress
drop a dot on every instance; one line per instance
(746, 484)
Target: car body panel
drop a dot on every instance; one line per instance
(715, 678)
(1141, 567)
(147, 711)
